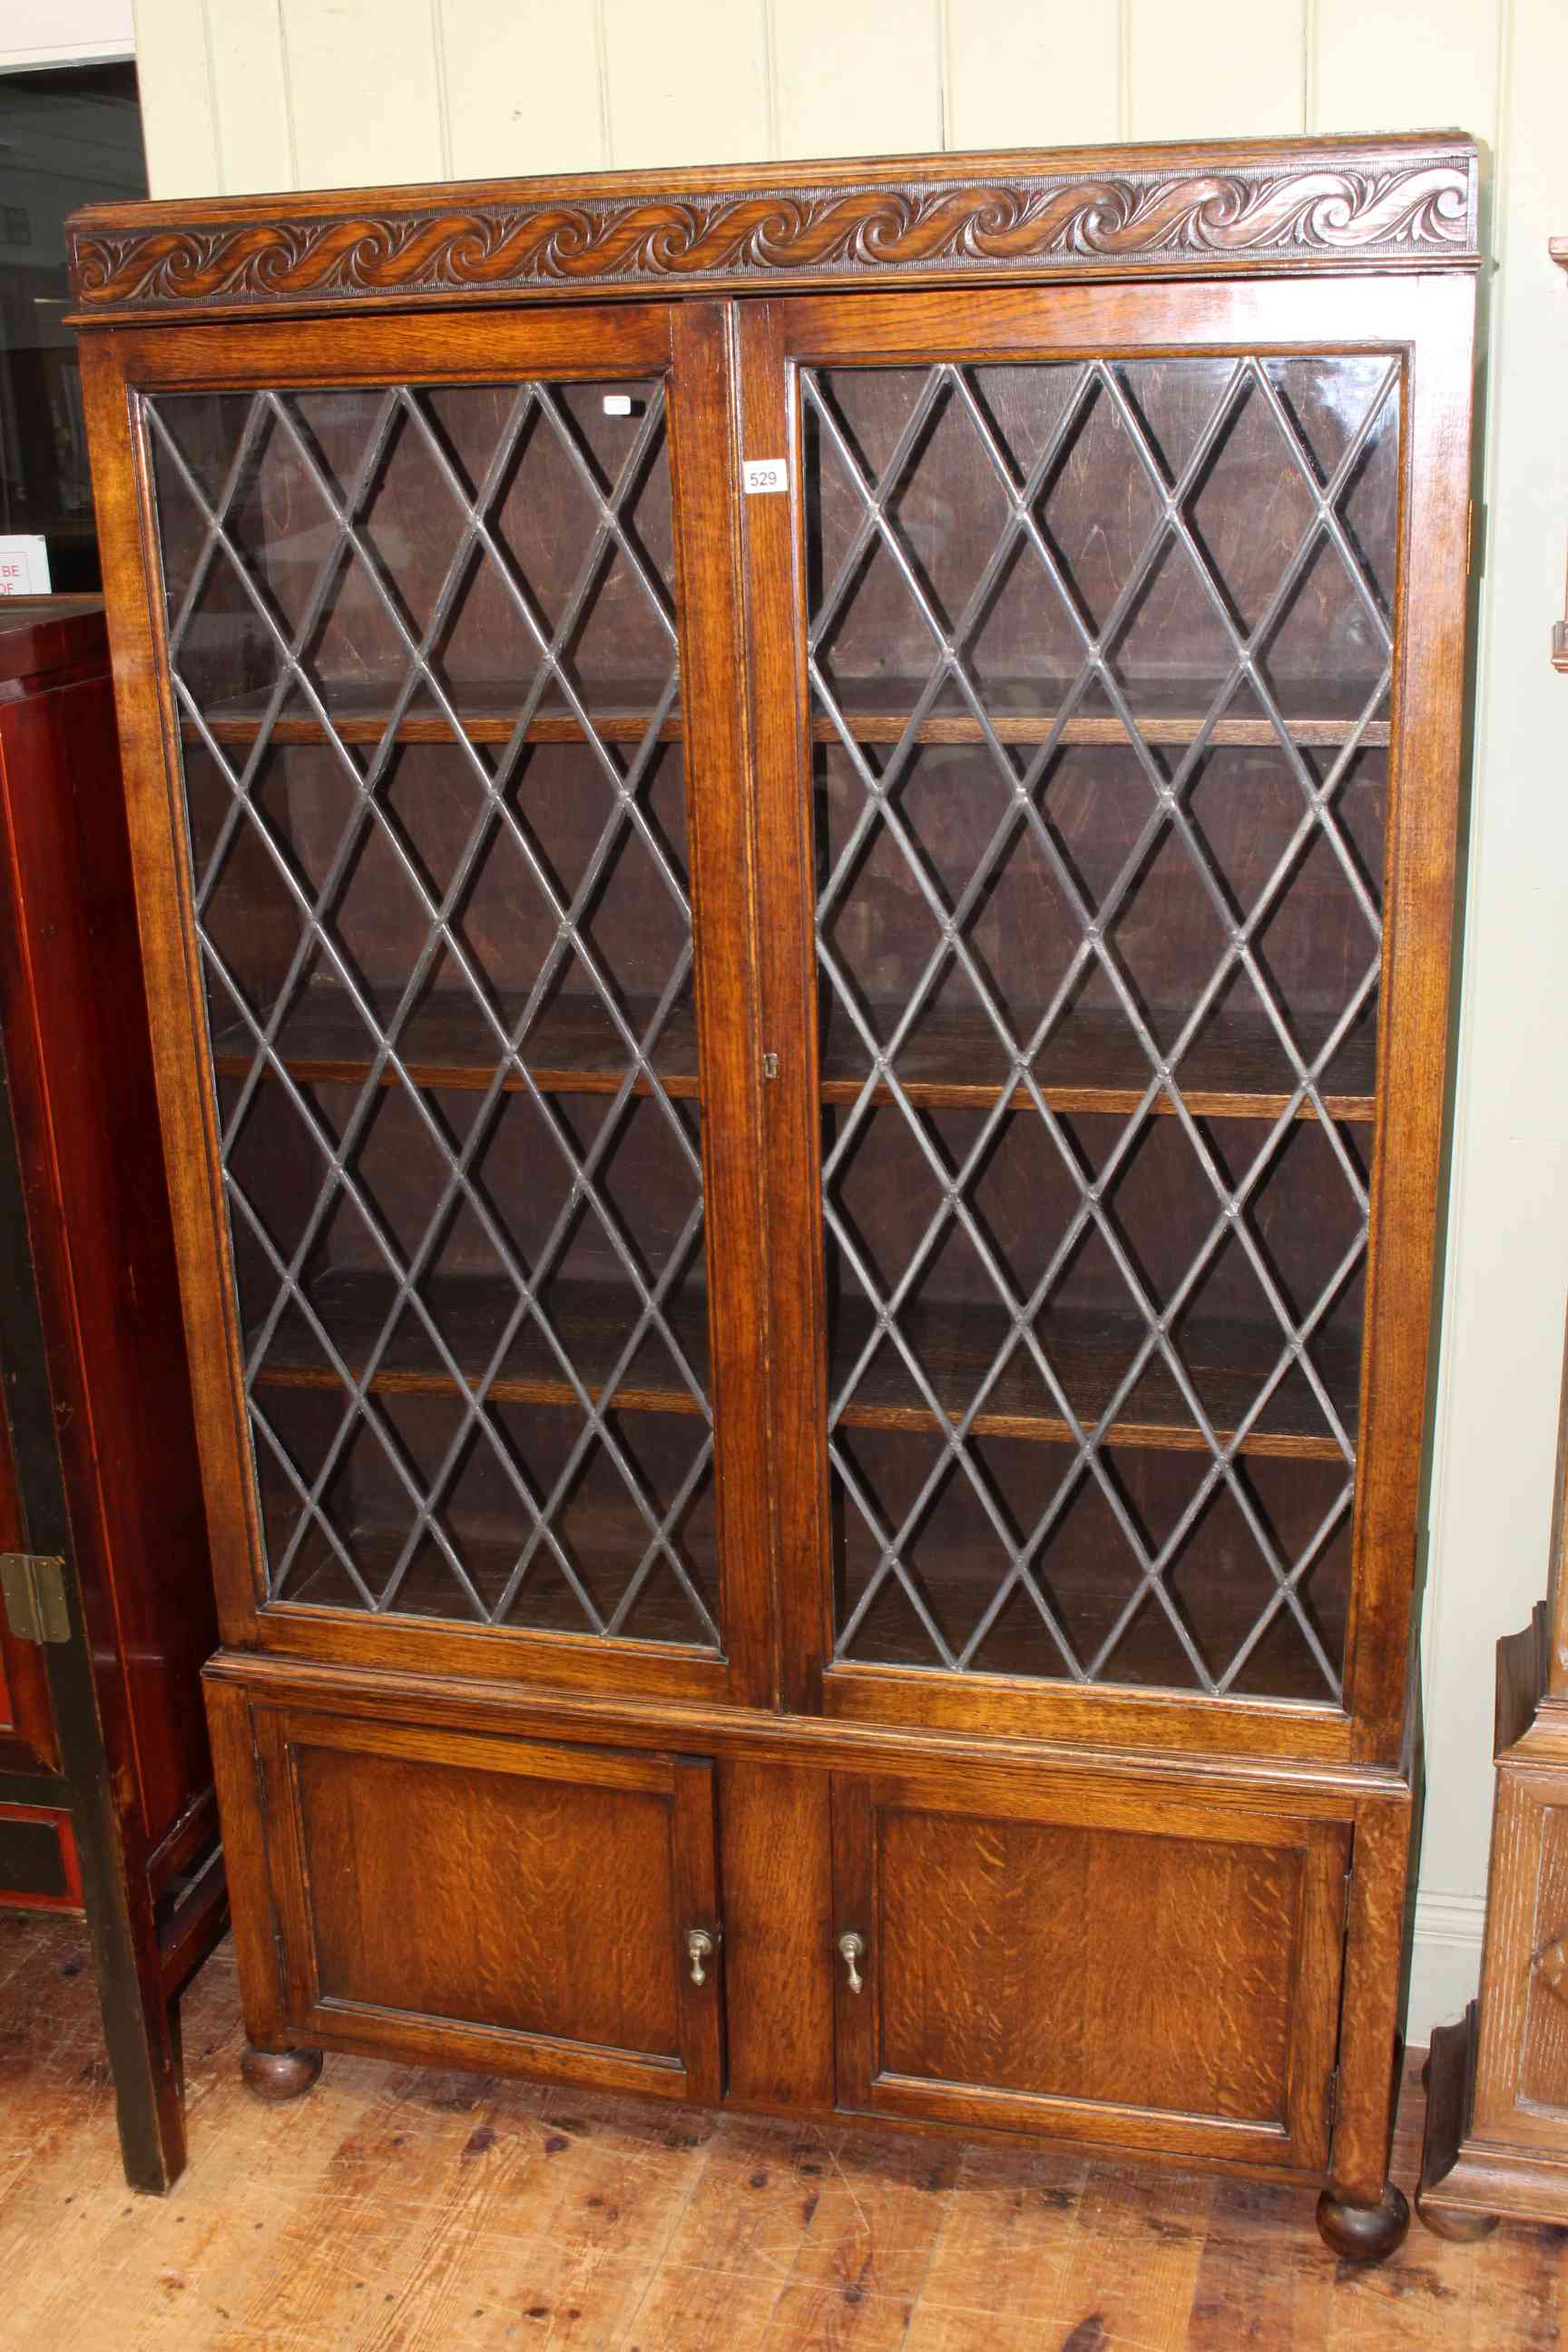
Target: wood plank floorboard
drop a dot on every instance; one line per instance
(399, 2210)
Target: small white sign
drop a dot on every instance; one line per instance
(24, 564)
(618, 403)
(758, 474)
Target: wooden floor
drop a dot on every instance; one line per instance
(400, 2211)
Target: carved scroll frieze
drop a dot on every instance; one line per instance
(1410, 210)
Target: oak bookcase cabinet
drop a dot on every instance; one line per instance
(795, 836)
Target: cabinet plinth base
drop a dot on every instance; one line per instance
(276, 2075)
(1466, 2183)
(1365, 2234)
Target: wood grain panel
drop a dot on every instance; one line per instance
(778, 1911)
(542, 1962)
(1021, 1968)
(531, 1940)
(1069, 1963)
(1543, 2059)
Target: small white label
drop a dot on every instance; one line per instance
(618, 403)
(758, 474)
(23, 566)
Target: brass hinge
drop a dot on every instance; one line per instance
(1331, 2103)
(34, 1585)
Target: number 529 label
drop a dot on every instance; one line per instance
(759, 473)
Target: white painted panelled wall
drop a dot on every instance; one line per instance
(256, 94)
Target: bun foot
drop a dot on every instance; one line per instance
(1365, 2234)
(1457, 2224)
(279, 2074)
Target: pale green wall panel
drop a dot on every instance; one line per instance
(1389, 66)
(1508, 1257)
(687, 85)
(366, 87)
(1024, 75)
(179, 123)
(850, 77)
(250, 88)
(524, 87)
(1216, 70)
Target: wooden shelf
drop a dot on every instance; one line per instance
(955, 1342)
(1165, 710)
(573, 1048)
(487, 711)
(607, 1553)
(1092, 1062)
(876, 710)
(591, 1319)
(1227, 1362)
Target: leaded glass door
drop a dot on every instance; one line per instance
(449, 771)
(1088, 790)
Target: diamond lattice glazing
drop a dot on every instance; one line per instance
(423, 651)
(1023, 563)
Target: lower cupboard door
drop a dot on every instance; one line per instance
(1148, 1969)
(497, 1902)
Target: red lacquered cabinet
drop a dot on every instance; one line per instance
(106, 1796)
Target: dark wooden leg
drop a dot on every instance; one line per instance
(279, 2074)
(1365, 2234)
(1455, 2222)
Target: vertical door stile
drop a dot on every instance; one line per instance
(856, 2014)
(774, 541)
(694, 1833)
(724, 914)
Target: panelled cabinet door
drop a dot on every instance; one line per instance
(1101, 753)
(495, 1903)
(1521, 2055)
(1048, 1962)
(448, 964)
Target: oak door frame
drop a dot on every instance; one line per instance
(1301, 2139)
(686, 345)
(686, 1784)
(1428, 321)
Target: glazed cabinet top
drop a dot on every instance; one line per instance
(799, 945)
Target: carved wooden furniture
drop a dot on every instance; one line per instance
(106, 1797)
(796, 840)
(1497, 2083)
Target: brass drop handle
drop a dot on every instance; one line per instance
(700, 1946)
(853, 1948)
